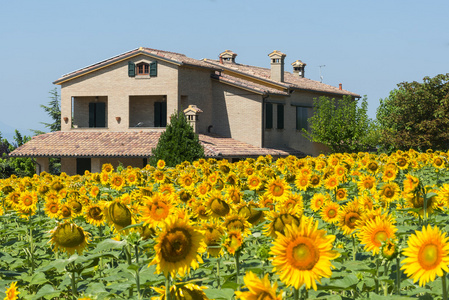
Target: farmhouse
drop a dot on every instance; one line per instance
(114, 111)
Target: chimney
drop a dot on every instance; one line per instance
(277, 65)
(227, 56)
(299, 68)
(191, 113)
(340, 86)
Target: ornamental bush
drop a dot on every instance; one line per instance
(178, 143)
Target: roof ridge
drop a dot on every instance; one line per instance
(171, 52)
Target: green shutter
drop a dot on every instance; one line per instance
(100, 114)
(268, 115)
(131, 69)
(153, 69)
(298, 117)
(304, 119)
(280, 115)
(164, 114)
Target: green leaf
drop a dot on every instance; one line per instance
(109, 244)
(38, 278)
(47, 291)
(223, 293)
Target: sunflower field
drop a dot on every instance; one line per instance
(342, 226)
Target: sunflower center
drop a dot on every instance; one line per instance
(66, 212)
(350, 219)
(389, 192)
(96, 213)
(69, 236)
(265, 296)
(27, 201)
(429, 256)
(176, 245)
(331, 213)
(304, 254)
(379, 237)
(54, 208)
(236, 224)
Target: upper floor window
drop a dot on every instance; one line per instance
(143, 69)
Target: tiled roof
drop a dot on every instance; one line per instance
(173, 57)
(290, 80)
(130, 144)
(246, 84)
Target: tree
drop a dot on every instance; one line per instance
(54, 111)
(341, 125)
(415, 115)
(178, 143)
(20, 166)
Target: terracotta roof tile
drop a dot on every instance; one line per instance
(290, 80)
(131, 144)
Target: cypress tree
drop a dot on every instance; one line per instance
(178, 143)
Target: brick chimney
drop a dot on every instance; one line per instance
(299, 68)
(227, 57)
(277, 65)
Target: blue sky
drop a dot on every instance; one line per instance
(368, 46)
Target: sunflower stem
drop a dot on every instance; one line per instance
(136, 251)
(128, 259)
(237, 267)
(398, 277)
(354, 248)
(218, 272)
(167, 287)
(376, 280)
(73, 280)
(296, 293)
(443, 280)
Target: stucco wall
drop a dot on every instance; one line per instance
(113, 82)
(290, 136)
(237, 113)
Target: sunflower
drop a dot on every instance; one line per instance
(279, 220)
(373, 166)
(402, 163)
(202, 190)
(390, 174)
(119, 215)
(255, 182)
(217, 206)
(250, 212)
(366, 183)
(389, 249)
(107, 168)
(94, 215)
(410, 183)
(329, 212)
(51, 208)
(389, 192)
(302, 182)
(332, 182)
(277, 189)
(348, 217)
(234, 241)
(69, 238)
(416, 200)
(160, 164)
(12, 292)
(234, 194)
(315, 181)
(104, 178)
(155, 209)
(258, 288)
(438, 162)
(182, 292)
(27, 203)
(375, 232)
(199, 211)
(213, 233)
(318, 200)
(237, 222)
(341, 194)
(117, 182)
(159, 176)
(187, 181)
(303, 254)
(167, 189)
(178, 248)
(427, 255)
(66, 211)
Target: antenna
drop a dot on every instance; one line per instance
(321, 77)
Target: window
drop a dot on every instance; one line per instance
(143, 69)
(280, 115)
(302, 118)
(268, 115)
(97, 114)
